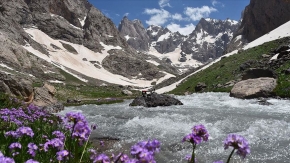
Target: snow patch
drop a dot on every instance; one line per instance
(153, 62)
(174, 57)
(82, 21)
(164, 37)
(127, 37)
(55, 81)
(5, 66)
(66, 60)
(280, 32)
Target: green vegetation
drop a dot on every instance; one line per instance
(70, 79)
(228, 69)
(283, 87)
(91, 94)
(9, 102)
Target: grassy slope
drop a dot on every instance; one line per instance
(228, 69)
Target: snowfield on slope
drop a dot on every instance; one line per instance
(174, 57)
(279, 32)
(65, 59)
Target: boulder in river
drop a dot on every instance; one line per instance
(154, 100)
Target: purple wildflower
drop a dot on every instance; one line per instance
(31, 161)
(31, 149)
(192, 138)
(15, 153)
(102, 143)
(200, 130)
(15, 145)
(103, 158)
(74, 117)
(55, 143)
(237, 142)
(6, 160)
(218, 162)
(61, 155)
(198, 134)
(25, 131)
(59, 135)
(12, 134)
(144, 151)
(124, 158)
(93, 154)
(188, 157)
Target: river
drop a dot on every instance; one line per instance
(267, 128)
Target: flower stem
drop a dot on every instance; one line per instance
(70, 144)
(84, 149)
(231, 155)
(193, 153)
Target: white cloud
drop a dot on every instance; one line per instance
(158, 16)
(215, 2)
(182, 30)
(178, 17)
(126, 14)
(198, 13)
(164, 3)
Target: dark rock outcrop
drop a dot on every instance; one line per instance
(16, 86)
(154, 99)
(128, 66)
(200, 87)
(254, 88)
(259, 18)
(258, 73)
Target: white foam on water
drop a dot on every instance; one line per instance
(267, 128)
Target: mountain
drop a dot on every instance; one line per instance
(134, 33)
(206, 42)
(209, 39)
(259, 18)
(48, 38)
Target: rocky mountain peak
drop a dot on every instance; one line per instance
(134, 33)
(209, 39)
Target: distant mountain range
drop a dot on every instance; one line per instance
(207, 42)
(42, 38)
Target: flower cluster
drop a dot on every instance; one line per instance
(198, 134)
(78, 126)
(5, 159)
(21, 131)
(239, 143)
(144, 150)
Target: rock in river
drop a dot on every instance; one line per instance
(154, 99)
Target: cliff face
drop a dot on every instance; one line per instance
(262, 16)
(259, 18)
(134, 33)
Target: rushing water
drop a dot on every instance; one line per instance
(267, 128)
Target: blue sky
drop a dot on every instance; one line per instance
(177, 15)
